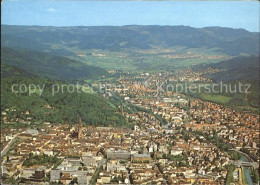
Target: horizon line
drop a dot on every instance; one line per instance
(130, 25)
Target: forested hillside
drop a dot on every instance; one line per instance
(242, 70)
(58, 108)
(63, 40)
(239, 68)
(50, 66)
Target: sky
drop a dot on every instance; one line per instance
(234, 14)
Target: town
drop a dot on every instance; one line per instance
(175, 139)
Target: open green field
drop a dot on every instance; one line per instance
(229, 101)
(153, 60)
(215, 98)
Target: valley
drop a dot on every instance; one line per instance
(130, 104)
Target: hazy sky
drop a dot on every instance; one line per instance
(235, 14)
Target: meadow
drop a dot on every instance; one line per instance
(156, 60)
(215, 98)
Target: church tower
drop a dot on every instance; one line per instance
(122, 109)
(80, 128)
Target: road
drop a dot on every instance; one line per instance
(100, 163)
(8, 146)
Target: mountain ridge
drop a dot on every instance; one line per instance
(229, 40)
(50, 66)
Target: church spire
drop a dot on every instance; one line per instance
(80, 128)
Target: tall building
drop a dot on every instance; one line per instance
(122, 109)
(80, 128)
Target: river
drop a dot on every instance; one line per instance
(247, 171)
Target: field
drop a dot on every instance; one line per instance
(154, 60)
(215, 98)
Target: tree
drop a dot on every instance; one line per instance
(85, 168)
(115, 180)
(74, 181)
(30, 155)
(255, 176)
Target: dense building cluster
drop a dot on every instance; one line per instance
(179, 151)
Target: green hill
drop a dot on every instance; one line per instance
(244, 70)
(10, 71)
(50, 66)
(63, 107)
(238, 68)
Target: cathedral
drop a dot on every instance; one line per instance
(78, 134)
(80, 128)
